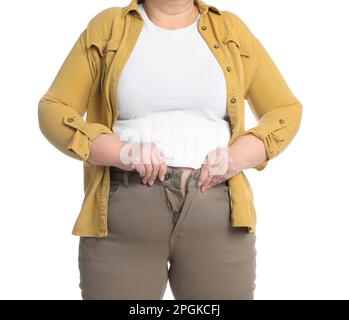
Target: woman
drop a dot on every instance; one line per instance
(164, 147)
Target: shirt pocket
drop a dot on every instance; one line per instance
(106, 50)
(242, 56)
(234, 45)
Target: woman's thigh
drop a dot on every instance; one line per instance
(131, 262)
(210, 259)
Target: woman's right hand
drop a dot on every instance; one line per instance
(146, 158)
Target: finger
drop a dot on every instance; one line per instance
(163, 165)
(136, 154)
(224, 178)
(146, 153)
(206, 183)
(210, 176)
(141, 169)
(156, 166)
(149, 170)
(214, 170)
(215, 181)
(203, 174)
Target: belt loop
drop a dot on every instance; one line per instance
(126, 174)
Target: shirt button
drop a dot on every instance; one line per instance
(70, 119)
(203, 28)
(232, 125)
(228, 69)
(233, 100)
(216, 45)
(281, 121)
(168, 176)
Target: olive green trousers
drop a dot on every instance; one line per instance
(163, 233)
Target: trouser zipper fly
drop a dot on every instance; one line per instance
(175, 217)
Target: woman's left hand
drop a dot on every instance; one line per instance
(246, 151)
(220, 165)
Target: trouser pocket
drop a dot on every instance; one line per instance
(114, 188)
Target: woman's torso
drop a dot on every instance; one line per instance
(164, 80)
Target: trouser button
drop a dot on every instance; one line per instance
(168, 176)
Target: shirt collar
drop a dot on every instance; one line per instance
(202, 6)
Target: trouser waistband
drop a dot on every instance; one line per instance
(172, 177)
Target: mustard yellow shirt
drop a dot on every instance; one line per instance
(86, 85)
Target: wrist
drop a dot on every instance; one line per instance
(236, 158)
(117, 149)
(119, 158)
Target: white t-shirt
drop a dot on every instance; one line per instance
(172, 91)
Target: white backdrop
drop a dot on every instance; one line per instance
(301, 197)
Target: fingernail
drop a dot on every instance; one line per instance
(162, 178)
(151, 182)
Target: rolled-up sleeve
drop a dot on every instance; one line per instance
(273, 104)
(62, 107)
